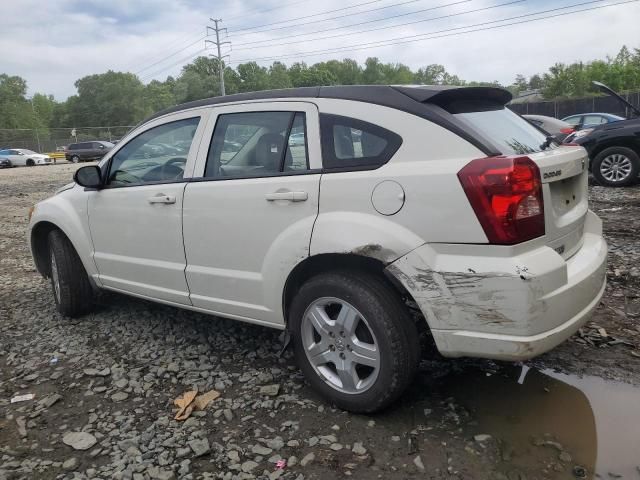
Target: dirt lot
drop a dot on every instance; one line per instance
(573, 413)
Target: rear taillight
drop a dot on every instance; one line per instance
(506, 195)
(567, 130)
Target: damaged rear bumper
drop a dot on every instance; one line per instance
(505, 303)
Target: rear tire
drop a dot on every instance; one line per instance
(616, 167)
(72, 291)
(75, 159)
(381, 333)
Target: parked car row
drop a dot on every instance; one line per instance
(74, 152)
(613, 142)
(21, 157)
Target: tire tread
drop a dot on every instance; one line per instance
(76, 293)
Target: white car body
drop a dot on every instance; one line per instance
(20, 157)
(232, 247)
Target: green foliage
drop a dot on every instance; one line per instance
(15, 108)
(119, 98)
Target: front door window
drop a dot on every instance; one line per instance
(157, 155)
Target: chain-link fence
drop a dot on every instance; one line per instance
(572, 106)
(55, 139)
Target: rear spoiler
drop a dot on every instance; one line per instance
(617, 96)
(460, 99)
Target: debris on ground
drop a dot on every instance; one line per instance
(23, 398)
(190, 401)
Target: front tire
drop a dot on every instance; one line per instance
(354, 340)
(616, 167)
(69, 280)
(30, 163)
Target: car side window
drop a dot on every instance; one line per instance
(352, 143)
(256, 144)
(156, 155)
(594, 120)
(573, 121)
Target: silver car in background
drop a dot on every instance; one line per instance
(557, 128)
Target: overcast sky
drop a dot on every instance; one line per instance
(52, 43)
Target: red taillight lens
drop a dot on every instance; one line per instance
(506, 194)
(567, 130)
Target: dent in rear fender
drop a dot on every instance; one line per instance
(68, 212)
(477, 296)
(362, 234)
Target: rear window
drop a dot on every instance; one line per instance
(512, 134)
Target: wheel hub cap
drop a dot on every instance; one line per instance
(340, 345)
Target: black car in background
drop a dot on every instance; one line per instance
(614, 148)
(87, 151)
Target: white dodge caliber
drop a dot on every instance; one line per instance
(338, 213)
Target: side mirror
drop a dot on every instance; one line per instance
(89, 176)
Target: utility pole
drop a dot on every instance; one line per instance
(35, 118)
(218, 45)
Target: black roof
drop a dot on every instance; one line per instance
(429, 102)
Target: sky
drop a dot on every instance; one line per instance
(52, 43)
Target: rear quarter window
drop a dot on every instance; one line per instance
(349, 143)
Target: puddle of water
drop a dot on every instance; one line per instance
(596, 422)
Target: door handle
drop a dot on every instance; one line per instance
(162, 198)
(289, 196)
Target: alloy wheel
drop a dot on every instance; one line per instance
(616, 167)
(340, 345)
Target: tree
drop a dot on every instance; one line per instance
(111, 98)
(253, 77)
(373, 73)
(15, 108)
(279, 76)
(159, 95)
(536, 82)
(345, 72)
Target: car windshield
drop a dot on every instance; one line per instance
(513, 134)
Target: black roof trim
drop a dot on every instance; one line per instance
(428, 102)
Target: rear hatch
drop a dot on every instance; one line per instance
(563, 171)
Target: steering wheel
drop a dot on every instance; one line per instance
(171, 169)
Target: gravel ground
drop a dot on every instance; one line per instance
(104, 386)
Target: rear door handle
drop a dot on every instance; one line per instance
(162, 198)
(290, 196)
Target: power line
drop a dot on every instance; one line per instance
(372, 29)
(171, 55)
(182, 60)
(315, 15)
(363, 11)
(184, 39)
(392, 41)
(257, 12)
